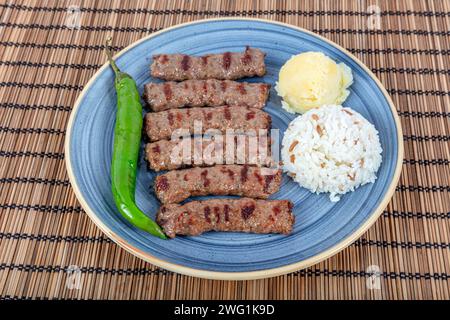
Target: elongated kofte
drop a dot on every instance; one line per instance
(238, 215)
(200, 93)
(230, 149)
(224, 66)
(161, 125)
(239, 180)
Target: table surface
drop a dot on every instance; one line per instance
(50, 249)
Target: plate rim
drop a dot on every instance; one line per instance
(245, 275)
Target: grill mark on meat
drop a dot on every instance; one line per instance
(227, 171)
(167, 91)
(241, 89)
(223, 86)
(250, 115)
(170, 118)
(205, 60)
(276, 210)
(263, 88)
(247, 211)
(209, 116)
(186, 177)
(179, 116)
(164, 59)
(205, 179)
(162, 183)
(191, 219)
(268, 180)
(242, 215)
(156, 149)
(207, 212)
(244, 173)
(186, 62)
(185, 85)
(226, 60)
(205, 87)
(226, 212)
(227, 113)
(259, 177)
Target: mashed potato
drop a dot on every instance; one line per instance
(310, 80)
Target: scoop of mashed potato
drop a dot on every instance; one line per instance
(310, 80)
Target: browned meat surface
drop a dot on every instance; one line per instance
(241, 215)
(160, 125)
(236, 149)
(199, 93)
(228, 65)
(239, 180)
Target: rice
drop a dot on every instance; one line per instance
(331, 149)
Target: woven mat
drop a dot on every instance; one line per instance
(44, 63)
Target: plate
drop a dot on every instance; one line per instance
(322, 228)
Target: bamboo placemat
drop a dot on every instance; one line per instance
(44, 62)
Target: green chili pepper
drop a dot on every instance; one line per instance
(127, 139)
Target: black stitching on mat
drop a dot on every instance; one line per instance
(386, 275)
(32, 180)
(9, 297)
(35, 107)
(43, 208)
(150, 30)
(234, 12)
(424, 114)
(397, 51)
(402, 92)
(400, 244)
(418, 215)
(82, 27)
(40, 268)
(422, 188)
(406, 138)
(41, 86)
(417, 114)
(101, 239)
(70, 209)
(33, 130)
(79, 88)
(14, 154)
(382, 32)
(81, 66)
(78, 66)
(426, 162)
(53, 238)
(117, 48)
(307, 272)
(57, 46)
(425, 138)
(421, 71)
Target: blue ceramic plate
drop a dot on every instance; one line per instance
(322, 228)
